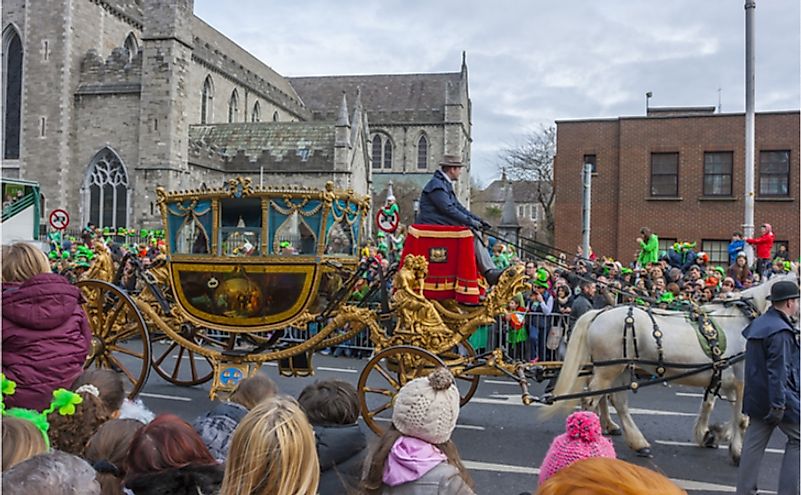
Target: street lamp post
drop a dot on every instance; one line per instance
(648, 96)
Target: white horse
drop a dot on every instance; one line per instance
(598, 337)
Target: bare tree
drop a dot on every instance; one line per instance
(532, 160)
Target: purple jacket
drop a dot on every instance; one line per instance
(46, 338)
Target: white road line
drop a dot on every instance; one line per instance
(337, 370)
(463, 427)
(515, 400)
(167, 397)
(689, 394)
(501, 382)
(690, 444)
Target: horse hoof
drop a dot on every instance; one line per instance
(735, 460)
(645, 452)
(616, 432)
(710, 440)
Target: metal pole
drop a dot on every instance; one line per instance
(585, 209)
(750, 58)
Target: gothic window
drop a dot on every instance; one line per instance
(106, 190)
(275, 116)
(131, 46)
(206, 101)
(422, 152)
(12, 75)
(381, 155)
(233, 107)
(255, 115)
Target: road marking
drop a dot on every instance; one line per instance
(689, 394)
(501, 382)
(463, 427)
(690, 444)
(515, 400)
(322, 368)
(167, 397)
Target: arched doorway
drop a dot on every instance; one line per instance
(105, 191)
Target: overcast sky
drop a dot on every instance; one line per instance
(533, 62)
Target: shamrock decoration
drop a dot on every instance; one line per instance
(64, 402)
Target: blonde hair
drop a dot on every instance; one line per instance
(22, 261)
(21, 441)
(273, 452)
(604, 476)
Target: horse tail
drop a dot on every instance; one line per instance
(576, 355)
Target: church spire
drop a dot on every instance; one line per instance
(343, 119)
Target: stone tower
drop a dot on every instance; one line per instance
(163, 120)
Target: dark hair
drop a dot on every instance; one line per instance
(108, 383)
(373, 479)
(168, 442)
(253, 390)
(107, 449)
(71, 432)
(330, 402)
(586, 284)
(738, 233)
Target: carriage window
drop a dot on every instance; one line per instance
(191, 239)
(294, 237)
(240, 226)
(339, 241)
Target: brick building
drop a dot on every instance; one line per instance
(680, 172)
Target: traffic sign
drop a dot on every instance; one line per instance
(59, 219)
(387, 221)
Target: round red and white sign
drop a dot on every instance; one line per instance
(59, 219)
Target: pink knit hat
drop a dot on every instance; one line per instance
(582, 439)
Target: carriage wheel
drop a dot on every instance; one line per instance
(384, 375)
(119, 334)
(469, 381)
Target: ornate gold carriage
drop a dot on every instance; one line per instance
(244, 266)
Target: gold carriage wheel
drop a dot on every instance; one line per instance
(120, 339)
(455, 362)
(384, 375)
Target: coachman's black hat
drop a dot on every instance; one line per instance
(784, 290)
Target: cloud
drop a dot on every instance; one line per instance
(531, 63)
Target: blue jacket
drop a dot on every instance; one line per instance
(771, 366)
(734, 248)
(439, 205)
(683, 260)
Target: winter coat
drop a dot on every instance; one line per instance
(444, 479)
(190, 480)
(763, 244)
(46, 338)
(734, 248)
(771, 366)
(217, 426)
(682, 260)
(341, 451)
(649, 251)
(439, 205)
(581, 304)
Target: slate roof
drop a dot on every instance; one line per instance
(287, 142)
(523, 192)
(387, 98)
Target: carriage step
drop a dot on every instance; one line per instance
(297, 365)
(228, 374)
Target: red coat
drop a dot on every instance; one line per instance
(46, 338)
(764, 244)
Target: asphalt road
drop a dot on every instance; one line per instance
(503, 441)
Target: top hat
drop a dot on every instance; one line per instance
(784, 290)
(451, 161)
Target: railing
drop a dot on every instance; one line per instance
(18, 205)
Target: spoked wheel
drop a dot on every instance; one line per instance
(458, 358)
(119, 334)
(384, 375)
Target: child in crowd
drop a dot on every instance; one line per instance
(106, 452)
(46, 335)
(110, 386)
(582, 439)
(333, 411)
(605, 476)
(70, 433)
(416, 454)
(516, 333)
(21, 440)
(217, 426)
(168, 457)
(272, 452)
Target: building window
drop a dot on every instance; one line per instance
(206, 101)
(255, 115)
(665, 174)
(774, 173)
(776, 245)
(535, 213)
(422, 153)
(717, 173)
(591, 160)
(12, 85)
(131, 46)
(106, 190)
(45, 50)
(275, 116)
(381, 152)
(666, 243)
(233, 107)
(521, 211)
(42, 126)
(717, 250)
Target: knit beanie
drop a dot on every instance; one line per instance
(581, 440)
(427, 407)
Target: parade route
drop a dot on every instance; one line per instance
(503, 443)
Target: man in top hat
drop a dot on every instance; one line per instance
(439, 206)
(771, 389)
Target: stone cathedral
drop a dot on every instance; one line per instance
(103, 100)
